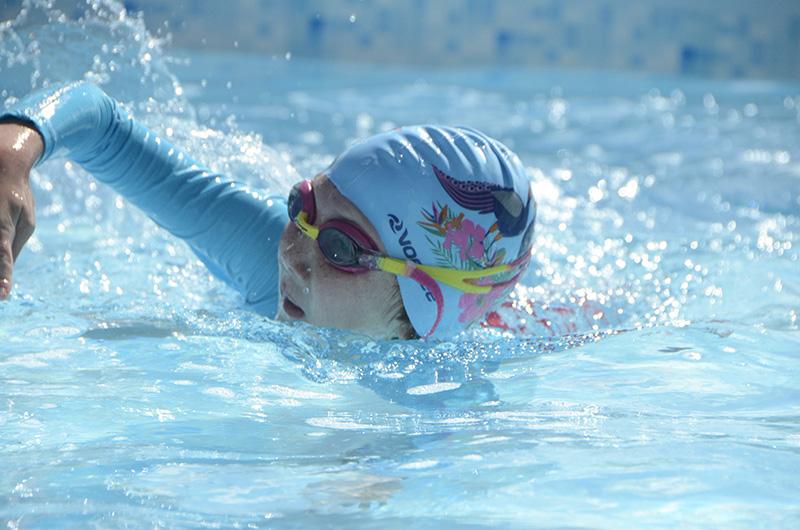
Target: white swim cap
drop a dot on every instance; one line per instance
(448, 197)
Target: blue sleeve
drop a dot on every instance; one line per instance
(233, 231)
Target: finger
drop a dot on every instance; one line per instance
(6, 260)
(24, 231)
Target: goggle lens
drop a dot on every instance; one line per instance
(301, 199)
(338, 248)
(340, 242)
(294, 203)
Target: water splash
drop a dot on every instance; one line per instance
(603, 240)
(48, 43)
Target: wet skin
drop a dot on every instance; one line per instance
(316, 292)
(20, 147)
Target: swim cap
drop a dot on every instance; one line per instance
(445, 196)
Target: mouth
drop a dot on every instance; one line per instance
(288, 307)
(291, 309)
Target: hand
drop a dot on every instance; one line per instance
(20, 147)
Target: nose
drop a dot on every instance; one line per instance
(296, 252)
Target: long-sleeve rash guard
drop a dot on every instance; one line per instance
(232, 231)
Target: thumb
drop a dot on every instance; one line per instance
(6, 261)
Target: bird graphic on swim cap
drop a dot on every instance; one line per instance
(482, 197)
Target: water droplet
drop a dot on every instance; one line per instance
(750, 110)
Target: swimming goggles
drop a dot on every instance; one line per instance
(348, 248)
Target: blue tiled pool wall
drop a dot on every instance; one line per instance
(715, 38)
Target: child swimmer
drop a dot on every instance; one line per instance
(420, 231)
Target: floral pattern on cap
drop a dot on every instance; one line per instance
(473, 243)
(459, 243)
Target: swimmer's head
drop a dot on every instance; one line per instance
(314, 291)
(446, 197)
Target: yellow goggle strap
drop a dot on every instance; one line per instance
(308, 229)
(452, 277)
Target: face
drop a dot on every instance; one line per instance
(314, 291)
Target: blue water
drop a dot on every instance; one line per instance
(136, 392)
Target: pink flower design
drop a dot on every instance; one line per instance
(476, 305)
(468, 237)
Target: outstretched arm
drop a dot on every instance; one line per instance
(233, 231)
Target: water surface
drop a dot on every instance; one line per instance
(136, 391)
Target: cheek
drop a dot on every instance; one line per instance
(355, 301)
(335, 298)
(334, 290)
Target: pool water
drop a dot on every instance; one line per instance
(135, 391)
